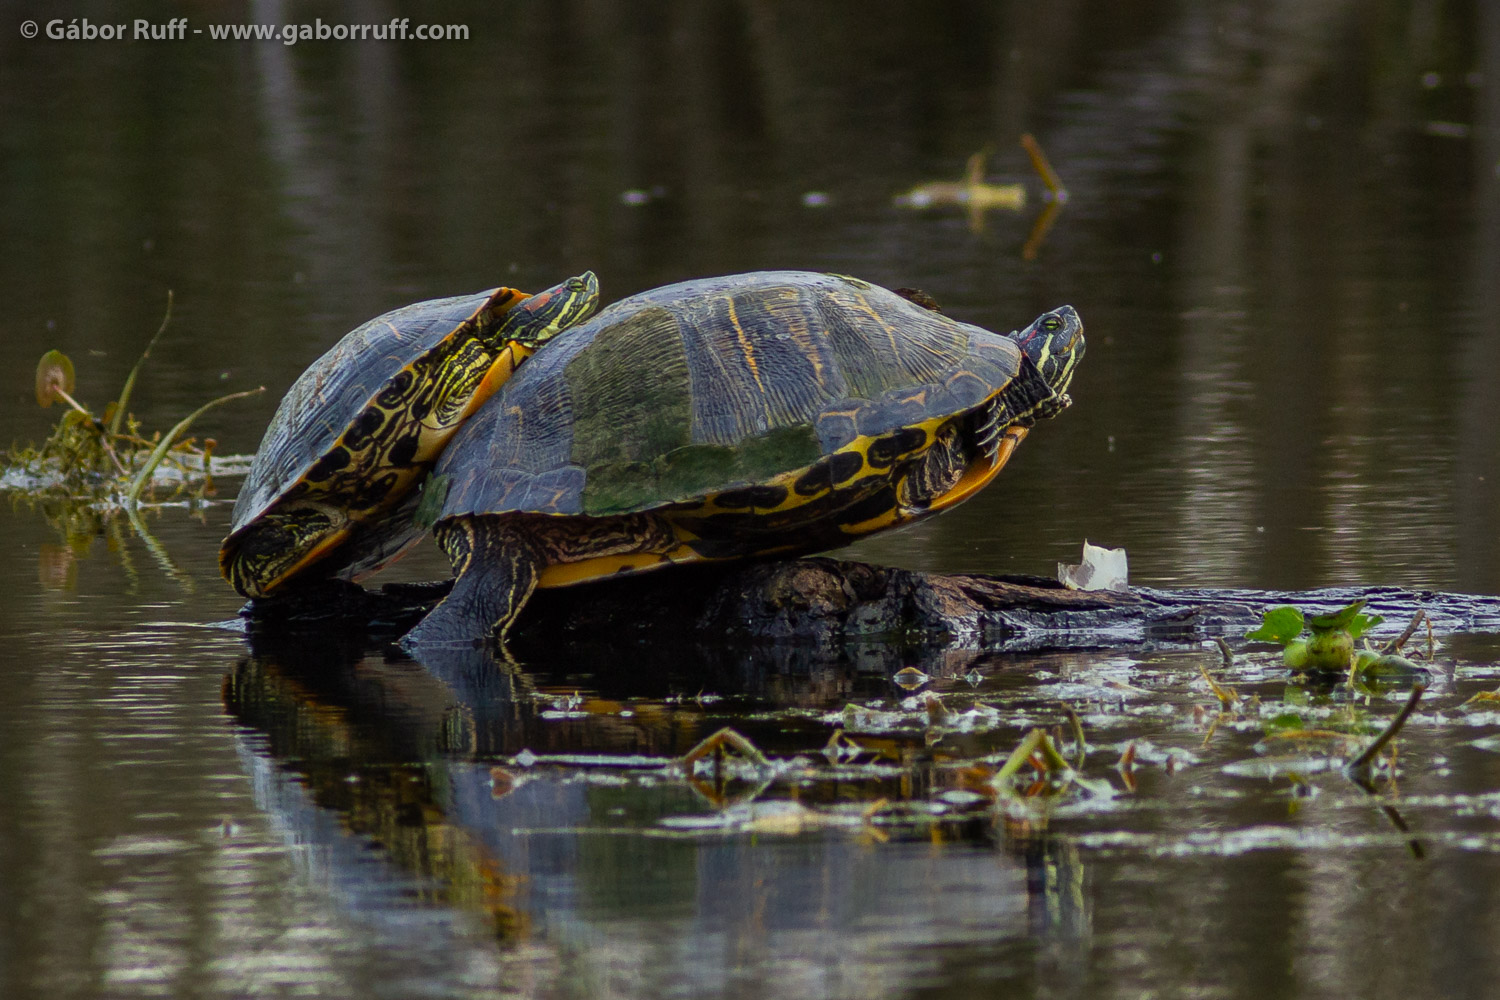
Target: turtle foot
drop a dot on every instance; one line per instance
(459, 620)
(340, 604)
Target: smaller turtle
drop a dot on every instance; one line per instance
(769, 414)
(332, 488)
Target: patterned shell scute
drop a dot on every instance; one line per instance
(711, 385)
(321, 404)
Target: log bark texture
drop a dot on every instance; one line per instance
(825, 601)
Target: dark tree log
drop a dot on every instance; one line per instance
(828, 601)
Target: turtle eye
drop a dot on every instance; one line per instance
(1052, 324)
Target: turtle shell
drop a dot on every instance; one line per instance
(320, 405)
(718, 385)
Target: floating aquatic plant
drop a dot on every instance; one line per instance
(977, 196)
(109, 457)
(1329, 644)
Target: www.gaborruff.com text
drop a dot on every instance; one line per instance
(400, 29)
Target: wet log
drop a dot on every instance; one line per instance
(824, 601)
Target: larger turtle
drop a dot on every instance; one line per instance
(331, 490)
(774, 413)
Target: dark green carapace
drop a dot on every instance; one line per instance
(779, 412)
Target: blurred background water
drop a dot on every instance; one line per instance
(1283, 235)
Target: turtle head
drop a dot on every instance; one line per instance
(280, 544)
(540, 317)
(1054, 343)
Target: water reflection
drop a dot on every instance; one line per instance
(556, 826)
(543, 805)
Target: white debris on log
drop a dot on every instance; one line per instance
(1101, 569)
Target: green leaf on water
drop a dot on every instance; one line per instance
(1342, 618)
(1348, 619)
(1279, 625)
(54, 378)
(1362, 623)
(1368, 663)
(1295, 698)
(1286, 721)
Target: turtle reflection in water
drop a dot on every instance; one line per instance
(334, 483)
(764, 414)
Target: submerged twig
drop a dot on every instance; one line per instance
(1037, 743)
(1406, 633)
(1039, 229)
(1227, 696)
(1362, 762)
(1126, 767)
(1213, 727)
(110, 451)
(1483, 697)
(1077, 724)
(716, 743)
(1043, 168)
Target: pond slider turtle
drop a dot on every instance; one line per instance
(774, 413)
(331, 481)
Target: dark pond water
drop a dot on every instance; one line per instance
(1283, 234)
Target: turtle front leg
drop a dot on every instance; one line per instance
(961, 461)
(495, 570)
